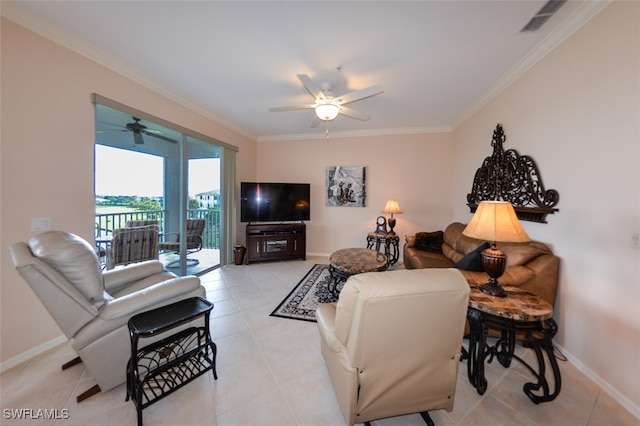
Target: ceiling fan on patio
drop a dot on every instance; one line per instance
(327, 106)
(138, 129)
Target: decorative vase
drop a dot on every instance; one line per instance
(238, 252)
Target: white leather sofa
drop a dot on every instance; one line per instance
(392, 342)
(92, 308)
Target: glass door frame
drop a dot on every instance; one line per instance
(227, 179)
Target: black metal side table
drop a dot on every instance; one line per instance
(519, 312)
(166, 365)
(390, 243)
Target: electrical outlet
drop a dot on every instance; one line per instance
(40, 224)
(635, 240)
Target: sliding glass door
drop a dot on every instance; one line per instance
(148, 173)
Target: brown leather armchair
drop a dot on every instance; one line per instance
(392, 342)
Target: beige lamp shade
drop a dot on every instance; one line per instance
(496, 221)
(392, 207)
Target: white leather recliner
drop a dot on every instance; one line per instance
(392, 342)
(92, 308)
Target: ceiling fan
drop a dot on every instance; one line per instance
(326, 106)
(138, 129)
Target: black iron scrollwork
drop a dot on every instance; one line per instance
(509, 176)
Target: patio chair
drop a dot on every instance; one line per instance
(130, 245)
(135, 223)
(195, 232)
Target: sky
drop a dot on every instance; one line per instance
(145, 178)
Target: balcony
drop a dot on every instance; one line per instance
(209, 256)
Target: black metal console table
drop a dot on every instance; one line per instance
(166, 365)
(519, 312)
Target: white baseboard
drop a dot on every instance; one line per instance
(604, 385)
(25, 356)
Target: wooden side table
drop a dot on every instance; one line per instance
(390, 243)
(163, 367)
(519, 312)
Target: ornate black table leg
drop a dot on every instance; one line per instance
(396, 253)
(505, 347)
(208, 342)
(337, 278)
(541, 339)
(477, 350)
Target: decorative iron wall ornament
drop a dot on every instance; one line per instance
(509, 176)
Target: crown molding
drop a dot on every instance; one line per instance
(583, 14)
(356, 133)
(60, 36)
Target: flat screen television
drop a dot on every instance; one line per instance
(274, 202)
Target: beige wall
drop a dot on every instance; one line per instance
(577, 113)
(414, 169)
(47, 158)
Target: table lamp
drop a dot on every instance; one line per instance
(495, 221)
(392, 207)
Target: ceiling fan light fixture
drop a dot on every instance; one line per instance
(327, 112)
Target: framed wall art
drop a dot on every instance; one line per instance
(346, 186)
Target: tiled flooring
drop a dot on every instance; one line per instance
(270, 372)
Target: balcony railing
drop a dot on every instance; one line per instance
(107, 222)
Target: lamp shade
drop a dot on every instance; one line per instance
(496, 221)
(327, 112)
(392, 207)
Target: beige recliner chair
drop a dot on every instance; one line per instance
(92, 308)
(392, 342)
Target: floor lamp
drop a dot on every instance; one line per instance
(495, 221)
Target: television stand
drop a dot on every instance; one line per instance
(281, 241)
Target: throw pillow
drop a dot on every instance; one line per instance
(473, 260)
(429, 241)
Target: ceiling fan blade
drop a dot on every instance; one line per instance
(155, 135)
(352, 113)
(119, 126)
(111, 131)
(311, 87)
(316, 121)
(137, 138)
(290, 108)
(360, 94)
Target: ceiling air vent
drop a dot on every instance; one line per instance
(543, 15)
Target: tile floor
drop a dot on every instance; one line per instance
(271, 372)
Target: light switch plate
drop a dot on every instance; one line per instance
(635, 240)
(40, 224)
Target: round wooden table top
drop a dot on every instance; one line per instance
(353, 261)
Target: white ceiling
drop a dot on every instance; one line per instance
(436, 60)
